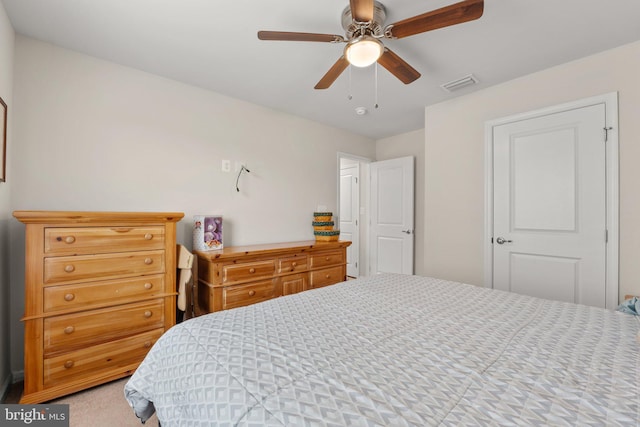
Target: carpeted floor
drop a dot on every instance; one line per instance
(101, 406)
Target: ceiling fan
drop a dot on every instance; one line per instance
(363, 22)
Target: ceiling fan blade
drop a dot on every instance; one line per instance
(457, 13)
(361, 10)
(300, 37)
(398, 67)
(333, 73)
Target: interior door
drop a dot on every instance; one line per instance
(349, 210)
(549, 181)
(392, 216)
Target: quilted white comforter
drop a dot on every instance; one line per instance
(395, 350)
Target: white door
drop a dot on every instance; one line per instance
(349, 210)
(392, 199)
(549, 211)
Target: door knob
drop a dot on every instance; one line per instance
(407, 231)
(502, 241)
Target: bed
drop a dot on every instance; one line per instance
(395, 350)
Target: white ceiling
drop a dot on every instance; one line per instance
(213, 44)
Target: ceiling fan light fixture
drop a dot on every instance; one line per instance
(363, 51)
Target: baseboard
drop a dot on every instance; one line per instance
(5, 388)
(17, 376)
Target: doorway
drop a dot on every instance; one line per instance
(352, 219)
(552, 202)
(383, 202)
(349, 213)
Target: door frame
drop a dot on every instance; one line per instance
(353, 166)
(610, 101)
(363, 256)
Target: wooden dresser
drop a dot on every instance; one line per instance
(100, 289)
(242, 275)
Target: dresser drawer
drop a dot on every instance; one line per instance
(295, 263)
(97, 326)
(86, 296)
(327, 276)
(95, 240)
(241, 295)
(245, 271)
(294, 283)
(327, 259)
(116, 356)
(98, 267)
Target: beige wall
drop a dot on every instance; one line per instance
(93, 135)
(7, 37)
(410, 144)
(454, 158)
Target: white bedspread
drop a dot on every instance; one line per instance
(395, 350)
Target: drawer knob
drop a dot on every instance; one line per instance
(69, 268)
(148, 261)
(148, 236)
(69, 239)
(328, 276)
(327, 258)
(147, 344)
(69, 330)
(147, 314)
(68, 364)
(252, 270)
(148, 285)
(252, 293)
(69, 297)
(294, 263)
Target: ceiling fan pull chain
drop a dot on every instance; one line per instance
(349, 96)
(376, 86)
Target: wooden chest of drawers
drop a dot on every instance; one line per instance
(100, 289)
(242, 275)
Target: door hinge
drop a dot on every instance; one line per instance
(356, 179)
(606, 133)
(356, 264)
(606, 236)
(356, 222)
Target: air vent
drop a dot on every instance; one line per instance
(459, 83)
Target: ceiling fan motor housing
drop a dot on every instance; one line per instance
(375, 28)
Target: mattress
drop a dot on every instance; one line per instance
(395, 350)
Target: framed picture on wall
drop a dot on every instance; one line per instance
(3, 141)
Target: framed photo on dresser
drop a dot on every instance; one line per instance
(3, 141)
